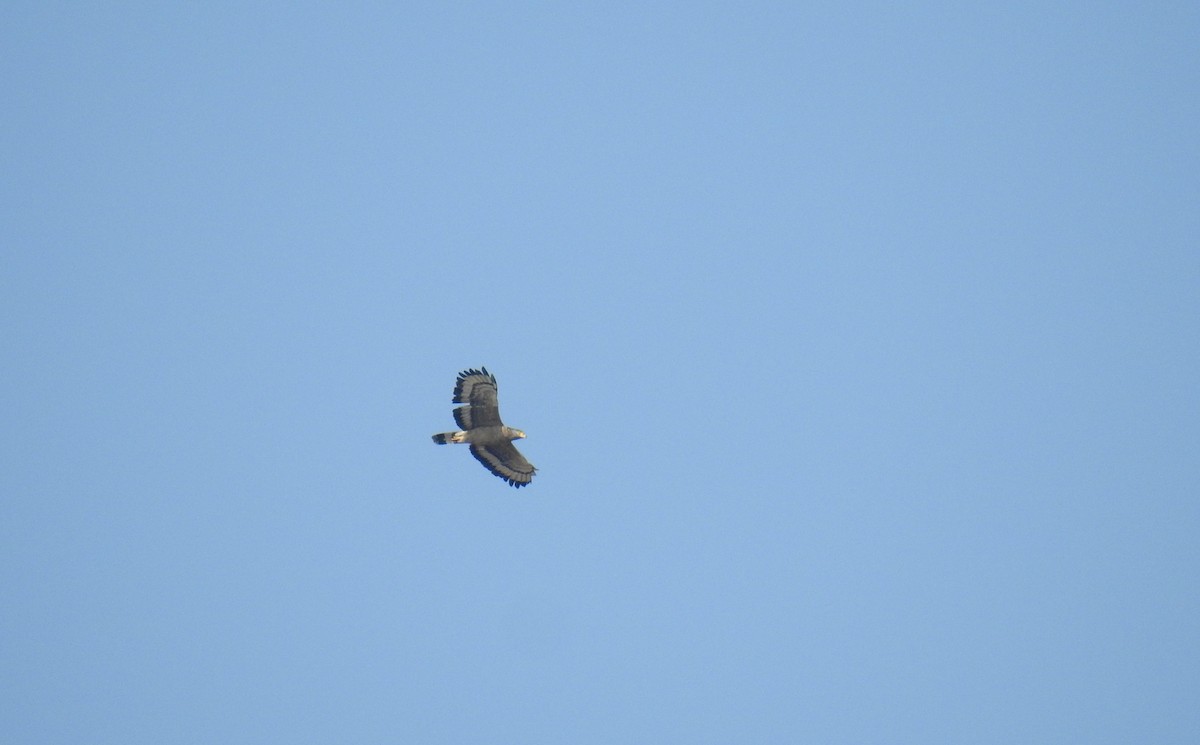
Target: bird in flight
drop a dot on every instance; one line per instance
(490, 439)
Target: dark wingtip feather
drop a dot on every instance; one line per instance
(462, 378)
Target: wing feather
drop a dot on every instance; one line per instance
(505, 461)
(477, 389)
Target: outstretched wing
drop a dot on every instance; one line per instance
(477, 389)
(504, 460)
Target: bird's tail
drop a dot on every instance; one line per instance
(446, 437)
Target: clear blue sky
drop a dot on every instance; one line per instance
(858, 346)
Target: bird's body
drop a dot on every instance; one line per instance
(490, 439)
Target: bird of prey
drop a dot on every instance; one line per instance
(490, 439)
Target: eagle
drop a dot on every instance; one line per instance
(490, 439)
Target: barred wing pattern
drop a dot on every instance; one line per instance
(477, 389)
(505, 461)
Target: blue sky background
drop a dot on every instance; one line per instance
(858, 346)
